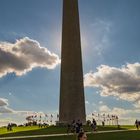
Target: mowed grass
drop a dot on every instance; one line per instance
(35, 130)
(18, 129)
(31, 130)
(126, 135)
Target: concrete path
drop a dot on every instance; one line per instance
(54, 135)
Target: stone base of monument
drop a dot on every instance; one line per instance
(61, 123)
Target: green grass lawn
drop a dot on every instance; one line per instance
(35, 130)
(129, 135)
(18, 129)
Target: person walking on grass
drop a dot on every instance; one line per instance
(68, 128)
(82, 136)
(94, 125)
(137, 124)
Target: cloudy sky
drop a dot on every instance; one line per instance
(30, 58)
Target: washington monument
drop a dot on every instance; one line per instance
(72, 100)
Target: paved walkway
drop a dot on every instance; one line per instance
(54, 135)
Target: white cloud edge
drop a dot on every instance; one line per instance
(24, 55)
(122, 83)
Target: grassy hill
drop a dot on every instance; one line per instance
(35, 130)
(130, 135)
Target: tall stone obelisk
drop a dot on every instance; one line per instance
(72, 100)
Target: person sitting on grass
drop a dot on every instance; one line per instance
(82, 136)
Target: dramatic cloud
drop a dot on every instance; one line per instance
(104, 108)
(24, 55)
(121, 112)
(3, 106)
(5, 109)
(3, 102)
(126, 116)
(123, 83)
(116, 111)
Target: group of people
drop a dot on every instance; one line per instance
(9, 127)
(83, 136)
(75, 127)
